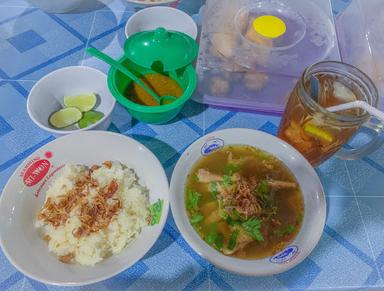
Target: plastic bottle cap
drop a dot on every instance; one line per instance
(269, 26)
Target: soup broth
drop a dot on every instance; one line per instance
(244, 202)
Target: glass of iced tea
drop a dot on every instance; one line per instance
(318, 133)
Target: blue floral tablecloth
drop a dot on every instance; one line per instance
(350, 254)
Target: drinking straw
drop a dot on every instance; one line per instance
(358, 104)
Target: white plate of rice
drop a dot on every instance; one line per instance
(77, 211)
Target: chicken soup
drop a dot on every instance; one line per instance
(244, 202)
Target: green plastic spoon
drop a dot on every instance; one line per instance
(100, 55)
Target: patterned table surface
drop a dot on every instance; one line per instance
(350, 253)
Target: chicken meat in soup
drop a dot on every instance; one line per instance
(244, 202)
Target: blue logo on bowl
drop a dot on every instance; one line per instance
(211, 145)
(285, 256)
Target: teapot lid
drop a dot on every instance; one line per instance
(172, 49)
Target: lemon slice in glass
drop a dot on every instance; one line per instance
(65, 117)
(90, 118)
(318, 132)
(84, 102)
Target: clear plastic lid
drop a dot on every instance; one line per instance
(309, 33)
(360, 30)
(252, 51)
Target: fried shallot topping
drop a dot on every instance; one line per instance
(108, 164)
(95, 213)
(67, 259)
(47, 238)
(241, 199)
(95, 167)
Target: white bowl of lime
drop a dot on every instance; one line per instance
(71, 99)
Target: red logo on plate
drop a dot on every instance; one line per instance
(36, 172)
(48, 154)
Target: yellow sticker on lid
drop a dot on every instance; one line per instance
(269, 26)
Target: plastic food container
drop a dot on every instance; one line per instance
(252, 52)
(160, 51)
(118, 83)
(360, 29)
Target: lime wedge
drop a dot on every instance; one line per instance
(90, 118)
(84, 102)
(65, 117)
(318, 132)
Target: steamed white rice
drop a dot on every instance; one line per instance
(124, 227)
